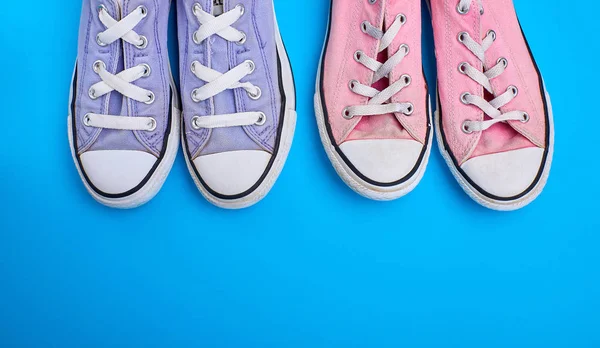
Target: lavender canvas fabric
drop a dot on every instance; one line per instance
(260, 47)
(117, 57)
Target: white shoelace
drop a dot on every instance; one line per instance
(492, 108)
(377, 103)
(122, 82)
(217, 82)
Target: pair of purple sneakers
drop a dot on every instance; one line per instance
(237, 94)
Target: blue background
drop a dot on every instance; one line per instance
(314, 264)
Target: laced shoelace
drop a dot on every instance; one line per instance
(491, 108)
(123, 81)
(377, 104)
(217, 82)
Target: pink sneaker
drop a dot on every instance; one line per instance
(371, 103)
(494, 118)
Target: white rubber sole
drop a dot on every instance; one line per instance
(285, 143)
(487, 201)
(156, 181)
(356, 183)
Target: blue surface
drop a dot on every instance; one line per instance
(314, 264)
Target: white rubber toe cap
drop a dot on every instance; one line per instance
(384, 160)
(117, 171)
(232, 173)
(506, 174)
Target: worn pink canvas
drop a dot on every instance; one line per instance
(340, 68)
(372, 104)
(521, 72)
(494, 117)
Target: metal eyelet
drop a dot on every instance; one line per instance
(143, 10)
(492, 33)
(147, 70)
(195, 96)
(243, 39)
(346, 114)
(100, 42)
(250, 65)
(262, 119)
(463, 98)
(525, 118)
(352, 84)
(465, 128)
(151, 125)
(196, 8)
(406, 49)
(98, 65)
(151, 98)
(92, 93)
(462, 68)
(514, 90)
(402, 18)
(407, 79)
(101, 8)
(462, 10)
(144, 43)
(195, 122)
(502, 60)
(87, 120)
(363, 26)
(410, 110)
(257, 95)
(242, 9)
(372, 2)
(462, 36)
(195, 38)
(357, 55)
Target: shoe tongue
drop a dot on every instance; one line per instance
(117, 104)
(217, 7)
(384, 83)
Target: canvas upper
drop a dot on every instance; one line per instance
(506, 160)
(386, 148)
(117, 162)
(230, 161)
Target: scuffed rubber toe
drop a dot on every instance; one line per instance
(232, 173)
(383, 160)
(117, 172)
(507, 174)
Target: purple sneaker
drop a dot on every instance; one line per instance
(124, 112)
(238, 98)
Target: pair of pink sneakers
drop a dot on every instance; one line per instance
(493, 120)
